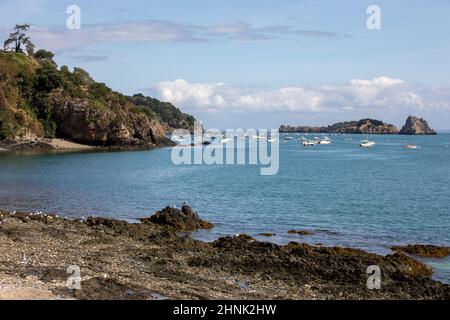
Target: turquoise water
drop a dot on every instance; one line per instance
(350, 196)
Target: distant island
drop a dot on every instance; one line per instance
(413, 126)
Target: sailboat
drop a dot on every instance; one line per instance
(367, 143)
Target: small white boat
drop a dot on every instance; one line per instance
(288, 138)
(367, 144)
(178, 140)
(226, 140)
(308, 143)
(325, 140)
(409, 146)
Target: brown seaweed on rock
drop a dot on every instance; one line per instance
(184, 219)
(424, 250)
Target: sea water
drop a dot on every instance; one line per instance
(344, 194)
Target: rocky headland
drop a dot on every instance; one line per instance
(155, 259)
(40, 102)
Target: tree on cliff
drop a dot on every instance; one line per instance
(19, 38)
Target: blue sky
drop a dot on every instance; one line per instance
(258, 63)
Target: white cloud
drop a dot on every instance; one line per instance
(379, 95)
(380, 81)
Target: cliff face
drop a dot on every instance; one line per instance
(349, 127)
(38, 100)
(416, 126)
(83, 122)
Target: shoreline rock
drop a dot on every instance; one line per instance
(424, 250)
(184, 219)
(301, 232)
(120, 260)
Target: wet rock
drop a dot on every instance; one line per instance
(266, 234)
(423, 250)
(111, 289)
(300, 232)
(184, 219)
(416, 126)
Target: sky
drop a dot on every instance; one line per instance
(258, 63)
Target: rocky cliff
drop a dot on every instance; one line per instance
(417, 126)
(348, 127)
(39, 101)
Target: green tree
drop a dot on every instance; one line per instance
(44, 55)
(18, 38)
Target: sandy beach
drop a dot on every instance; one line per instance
(61, 144)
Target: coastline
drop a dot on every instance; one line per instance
(147, 260)
(64, 145)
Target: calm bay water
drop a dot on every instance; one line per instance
(350, 196)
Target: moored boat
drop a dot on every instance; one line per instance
(367, 144)
(409, 146)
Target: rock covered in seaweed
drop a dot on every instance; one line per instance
(424, 250)
(184, 219)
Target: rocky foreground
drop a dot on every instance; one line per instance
(155, 259)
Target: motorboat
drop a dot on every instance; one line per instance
(367, 144)
(325, 140)
(226, 140)
(409, 146)
(308, 143)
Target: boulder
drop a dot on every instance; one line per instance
(300, 232)
(184, 219)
